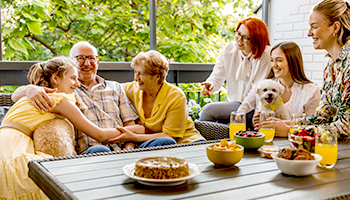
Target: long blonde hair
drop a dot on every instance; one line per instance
(40, 73)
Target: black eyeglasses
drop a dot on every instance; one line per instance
(81, 58)
(239, 35)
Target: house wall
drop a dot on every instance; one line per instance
(289, 21)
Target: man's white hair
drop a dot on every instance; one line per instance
(81, 44)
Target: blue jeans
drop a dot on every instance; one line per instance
(97, 149)
(157, 142)
(150, 143)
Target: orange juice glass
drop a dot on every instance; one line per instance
(237, 123)
(329, 153)
(327, 147)
(269, 133)
(267, 125)
(236, 127)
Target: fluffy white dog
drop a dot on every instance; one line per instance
(270, 93)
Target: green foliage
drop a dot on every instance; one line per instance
(8, 88)
(187, 30)
(192, 91)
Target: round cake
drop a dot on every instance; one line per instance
(161, 167)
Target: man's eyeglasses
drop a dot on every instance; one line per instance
(81, 58)
(239, 35)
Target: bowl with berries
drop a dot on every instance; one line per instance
(303, 138)
(250, 140)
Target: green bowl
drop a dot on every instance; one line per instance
(250, 143)
(224, 158)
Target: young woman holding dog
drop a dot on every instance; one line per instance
(330, 30)
(241, 64)
(300, 96)
(16, 144)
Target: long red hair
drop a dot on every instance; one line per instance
(258, 34)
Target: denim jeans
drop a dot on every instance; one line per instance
(150, 143)
(157, 142)
(97, 149)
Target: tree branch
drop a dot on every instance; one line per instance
(34, 37)
(63, 29)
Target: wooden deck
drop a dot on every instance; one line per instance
(254, 177)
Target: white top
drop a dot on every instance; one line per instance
(305, 98)
(226, 67)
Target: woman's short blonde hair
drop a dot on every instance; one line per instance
(154, 62)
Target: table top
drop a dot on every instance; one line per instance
(254, 177)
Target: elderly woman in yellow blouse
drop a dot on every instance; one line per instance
(161, 106)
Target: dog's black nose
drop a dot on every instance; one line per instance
(270, 95)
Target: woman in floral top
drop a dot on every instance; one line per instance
(330, 30)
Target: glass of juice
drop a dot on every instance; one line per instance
(267, 125)
(297, 122)
(326, 146)
(237, 123)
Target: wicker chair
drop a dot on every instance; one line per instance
(5, 99)
(212, 130)
(5, 104)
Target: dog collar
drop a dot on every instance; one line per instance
(274, 105)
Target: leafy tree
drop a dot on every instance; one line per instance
(187, 30)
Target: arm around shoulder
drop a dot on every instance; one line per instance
(19, 93)
(37, 96)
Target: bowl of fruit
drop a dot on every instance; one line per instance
(250, 140)
(303, 138)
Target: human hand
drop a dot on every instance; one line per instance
(281, 128)
(238, 118)
(125, 136)
(268, 123)
(206, 88)
(39, 98)
(256, 118)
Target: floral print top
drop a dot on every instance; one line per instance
(334, 108)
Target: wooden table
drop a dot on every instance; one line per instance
(254, 177)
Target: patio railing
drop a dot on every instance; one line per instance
(15, 72)
(187, 93)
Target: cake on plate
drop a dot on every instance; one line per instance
(163, 167)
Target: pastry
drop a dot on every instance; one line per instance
(161, 167)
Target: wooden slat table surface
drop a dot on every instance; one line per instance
(254, 177)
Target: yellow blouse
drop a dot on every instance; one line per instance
(23, 111)
(169, 113)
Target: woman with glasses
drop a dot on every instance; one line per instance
(241, 64)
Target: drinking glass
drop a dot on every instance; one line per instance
(297, 122)
(267, 125)
(327, 147)
(237, 123)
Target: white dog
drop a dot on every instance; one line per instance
(270, 93)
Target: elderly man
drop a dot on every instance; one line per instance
(107, 103)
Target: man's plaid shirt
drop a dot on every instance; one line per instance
(108, 107)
